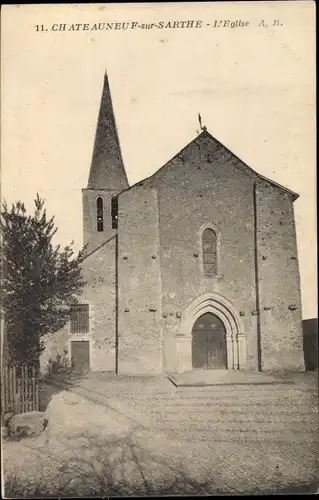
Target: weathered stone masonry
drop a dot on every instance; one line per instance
(146, 282)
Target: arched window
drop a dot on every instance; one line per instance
(209, 252)
(99, 214)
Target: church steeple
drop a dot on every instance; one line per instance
(107, 168)
(107, 177)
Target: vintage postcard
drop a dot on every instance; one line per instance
(158, 249)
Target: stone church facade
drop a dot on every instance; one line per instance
(195, 267)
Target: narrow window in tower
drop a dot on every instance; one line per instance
(114, 211)
(99, 214)
(209, 252)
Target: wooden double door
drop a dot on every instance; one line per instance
(209, 348)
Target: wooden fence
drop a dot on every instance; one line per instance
(19, 389)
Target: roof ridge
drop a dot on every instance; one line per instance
(296, 195)
(163, 166)
(98, 248)
(205, 132)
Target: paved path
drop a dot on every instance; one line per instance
(161, 439)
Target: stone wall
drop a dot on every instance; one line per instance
(279, 284)
(56, 347)
(206, 186)
(139, 306)
(99, 293)
(99, 270)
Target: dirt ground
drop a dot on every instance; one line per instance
(101, 440)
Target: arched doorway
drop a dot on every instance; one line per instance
(209, 348)
(234, 337)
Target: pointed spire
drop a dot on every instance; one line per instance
(107, 168)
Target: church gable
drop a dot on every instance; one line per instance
(205, 158)
(203, 162)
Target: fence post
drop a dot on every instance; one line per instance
(19, 389)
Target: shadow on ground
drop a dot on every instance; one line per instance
(127, 466)
(94, 462)
(51, 385)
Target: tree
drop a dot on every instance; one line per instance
(39, 281)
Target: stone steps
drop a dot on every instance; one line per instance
(283, 413)
(211, 399)
(242, 416)
(223, 409)
(238, 425)
(220, 404)
(163, 387)
(233, 435)
(292, 418)
(162, 383)
(276, 414)
(131, 392)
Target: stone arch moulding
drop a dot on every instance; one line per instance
(100, 195)
(223, 309)
(208, 225)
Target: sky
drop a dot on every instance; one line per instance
(254, 87)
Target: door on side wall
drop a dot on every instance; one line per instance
(80, 354)
(209, 349)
